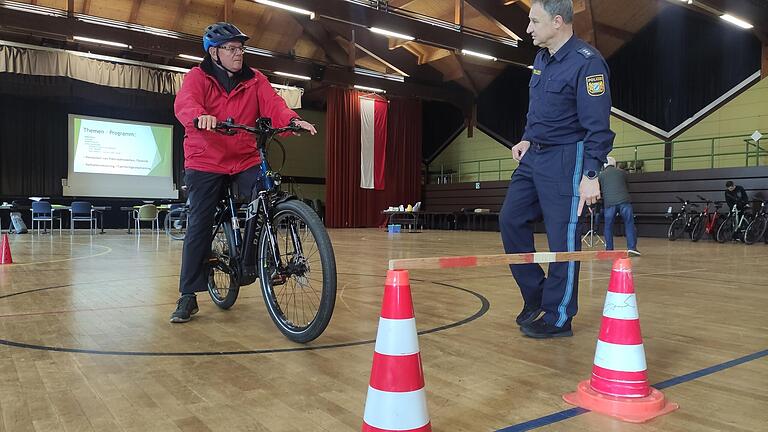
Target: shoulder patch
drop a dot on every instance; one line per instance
(596, 85)
(586, 52)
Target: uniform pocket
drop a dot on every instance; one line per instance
(559, 99)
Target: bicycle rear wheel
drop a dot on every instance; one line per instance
(223, 285)
(676, 229)
(755, 230)
(726, 230)
(176, 224)
(301, 294)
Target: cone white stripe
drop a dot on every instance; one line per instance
(397, 337)
(623, 358)
(396, 410)
(620, 306)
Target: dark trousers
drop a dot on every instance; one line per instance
(546, 184)
(204, 193)
(625, 210)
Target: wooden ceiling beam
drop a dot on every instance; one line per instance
(147, 45)
(179, 15)
(227, 10)
(316, 33)
(358, 15)
(512, 21)
(378, 46)
(135, 6)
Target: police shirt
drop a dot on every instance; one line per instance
(570, 101)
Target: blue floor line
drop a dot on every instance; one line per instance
(573, 412)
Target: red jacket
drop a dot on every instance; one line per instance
(252, 98)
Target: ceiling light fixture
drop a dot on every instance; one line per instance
(101, 42)
(290, 75)
(384, 32)
(190, 57)
(370, 89)
(293, 9)
(733, 20)
(479, 55)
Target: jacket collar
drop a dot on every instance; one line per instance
(245, 74)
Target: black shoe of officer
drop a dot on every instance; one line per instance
(528, 314)
(185, 308)
(541, 329)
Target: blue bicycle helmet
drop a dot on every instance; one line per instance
(221, 32)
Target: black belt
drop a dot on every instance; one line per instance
(540, 146)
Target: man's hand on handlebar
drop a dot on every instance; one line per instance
(207, 122)
(307, 126)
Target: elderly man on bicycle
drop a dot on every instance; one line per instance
(221, 86)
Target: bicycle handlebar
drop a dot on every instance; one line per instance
(263, 127)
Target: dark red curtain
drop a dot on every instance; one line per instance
(347, 204)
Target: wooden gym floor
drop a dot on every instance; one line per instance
(86, 344)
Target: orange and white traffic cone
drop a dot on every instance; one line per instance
(396, 400)
(619, 384)
(5, 251)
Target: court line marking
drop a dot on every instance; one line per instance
(15, 264)
(485, 305)
(573, 412)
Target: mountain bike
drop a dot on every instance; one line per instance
(756, 229)
(283, 244)
(708, 221)
(683, 222)
(732, 223)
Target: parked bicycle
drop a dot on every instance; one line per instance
(732, 224)
(708, 221)
(756, 229)
(683, 222)
(285, 246)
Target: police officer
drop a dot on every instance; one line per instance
(566, 141)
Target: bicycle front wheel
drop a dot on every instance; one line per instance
(698, 229)
(176, 224)
(300, 293)
(755, 230)
(726, 230)
(223, 285)
(676, 229)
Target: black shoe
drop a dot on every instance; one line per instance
(185, 308)
(634, 252)
(528, 315)
(540, 329)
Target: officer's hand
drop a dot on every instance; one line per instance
(207, 122)
(307, 126)
(589, 192)
(519, 149)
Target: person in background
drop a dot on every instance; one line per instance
(616, 199)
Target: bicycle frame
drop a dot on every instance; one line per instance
(260, 206)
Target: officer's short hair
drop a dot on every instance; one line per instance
(564, 8)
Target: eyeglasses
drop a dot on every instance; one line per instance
(232, 49)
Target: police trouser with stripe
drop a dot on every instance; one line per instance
(546, 184)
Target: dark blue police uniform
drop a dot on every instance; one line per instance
(568, 126)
